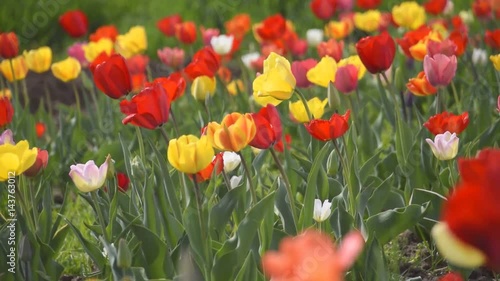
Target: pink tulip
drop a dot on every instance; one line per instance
(446, 47)
(207, 34)
(299, 70)
(440, 69)
(346, 79)
(298, 47)
(345, 5)
(173, 57)
(76, 51)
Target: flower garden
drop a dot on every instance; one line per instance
(321, 140)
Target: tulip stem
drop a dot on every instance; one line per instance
(287, 184)
(25, 94)
(99, 215)
(164, 134)
(455, 95)
(304, 101)
(452, 174)
(47, 98)
(392, 92)
(175, 122)
(16, 89)
(226, 180)
(202, 226)
(78, 105)
(249, 178)
(345, 174)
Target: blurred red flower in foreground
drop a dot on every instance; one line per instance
(204, 63)
(112, 77)
(325, 130)
(123, 181)
(470, 224)
(75, 23)
(446, 121)
(167, 24)
(6, 111)
(40, 129)
(312, 256)
(269, 129)
(376, 52)
(9, 45)
(452, 276)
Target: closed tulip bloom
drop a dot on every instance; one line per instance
(206, 173)
(40, 129)
(88, 177)
(76, 51)
(300, 69)
(122, 181)
(133, 42)
(202, 87)
(409, 14)
(412, 37)
(7, 137)
(66, 70)
(492, 38)
(189, 154)
(440, 69)
(75, 23)
(248, 59)
(93, 49)
(298, 111)
(205, 62)
(446, 121)
(368, 21)
(222, 44)
(105, 31)
(368, 4)
(323, 9)
(479, 57)
(42, 159)
(331, 48)
(6, 112)
(420, 86)
(112, 77)
(235, 86)
(444, 146)
(339, 29)
(149, 109)
(323, 73)
(167, 25)
(238, 26)
(207, 34)
(346, 79)
(174, 85)
(186, 32)
(277, 81)
(6, 93)
(325, 130)
(436, 7)
(445, 47)
(9, 45)
(231, 161)
(172, 57)
(20, 68)
(356, 61)
(314, 37)
(269, 128)
(39, 60)
(496, 61)
(16, 158)
(234, 132)
(270, 29)
(322, 211)
(377, 52)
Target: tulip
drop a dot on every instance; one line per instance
(39, 60)
(269, 128)
(271, 28)
(468, 232)
(202, 87)
(9, 45)
(409, 14)
(112, 77)
(231, 161)
(440, 69)
(368, 4)
(496, 61)
(6, 112)
(172, 57)
(295, 256)
(314, 37)
(316, 107)
(238, 26)
(40, 129)
(346, 79)
(323, 73)
(137, 64)
(76, 51)
(122, 181)
(322, 211)
(15, 159)
(420, 86)
(7, 137)
(167, 25)
(445, 121)
(106, 31)
(479, 57)
(436, 7)
(339, 29)
(235, 181)
(323, 9)
(234, 132)
(207, 34)
(222, 44)
(325, 130)
(93, 49)
(186, 32)
(42, 159)
(413, 37)
(444, 146)
(149, 109)
(368, 21)
(356, 61)
(376, 52)
(66, 70)
(5, 93)
(460, 39)
(277, 81)
(206, 173)
(88, 177)
(300, 69)
(205, 62)
(331, 48)
(75, 23)
(492, 38)
(133, 42)
(247, 59)
(446, 47)
(189, 154)
(20, 68)
(452, 276)
(174, 85)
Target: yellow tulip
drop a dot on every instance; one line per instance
(496, 61)
(20, 68)
(39, 60)
(203, 86)
(133, 42)
(5, 93)
(15, 159)
(66, 70)
(235, 87)
(299, 113)
(276, 81)
(323, 72)
(368, 21)
(409, 14)
(189, 154)
(338, 29)
(356, 61)
(234, 132)
(94, 49)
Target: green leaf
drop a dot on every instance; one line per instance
(340, 220)
(374, 262)
(404, 137)
(221, 213)
(284, 210)
(248, 271)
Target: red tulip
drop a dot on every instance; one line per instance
(98, 60)
(75, 23)
(167, 25)
(42, 159)
(40, 129)
(206, 174)
(376, 52)
(6, 112)
(412, 37)
(435, 7)
(280, 146)
(204, 63)
(460, 39)
(148, 109)
(174, 85)
(123, 181)
(446, 121)
(9, 45)
(492, 38)
(482, 9)
(325, 130)
(368, 4)
(138, 81)
(323, 9)
(269, 129)
(452, 276)
(186, 32)
(331, 48)
(105, 31)
(272, 28)
(137, 64)
(112, 77)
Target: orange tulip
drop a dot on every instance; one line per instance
(420, 86)
(234, 132)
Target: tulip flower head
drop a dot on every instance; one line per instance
(368, 21)
(269, 128)
(346, 79)
(66, 70)
(6, 111)
(277, 81)
(190, 154)
(94, 49)
(234, 132)
(300, 69)
(440, 69)
(205, 62)
(222, 44)
(105, 31)
(249, 58)
(185, 32)
(172, 57)
(167, 25)
(76, 51)
(323, 9)
(496, 61)
(9, 45)
(39, 60)
(444, 146)
(235, 181)
(88, 177)
(420, 86)
(231, 161)
(206, 173)
(377, 52)
(314, 37)
(40, 129)
(75, 23)
(202, 87)
(445, 121)
(298, 111)
(42, 159)
(322, 211)
(20, 68)
(325, 130)
(15, 159)
(133, 42)
(331, 48)
(409, 14)
(112, 77)
(479, 56)
(7, 137)
(122, 181)
(323, 73)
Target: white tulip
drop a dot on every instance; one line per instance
(479, 56)
(249, 58)
(222, 44)
(444, 146)
(235, 181)
(448, 9)
(322, 211)
(231, 161)
(314, 37)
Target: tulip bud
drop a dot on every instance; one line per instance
(231, 161)
(444, 146)
(222, 44)
(235, 181)
(314, 37)
(124, 258)
(322, 211)
(479, 56)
